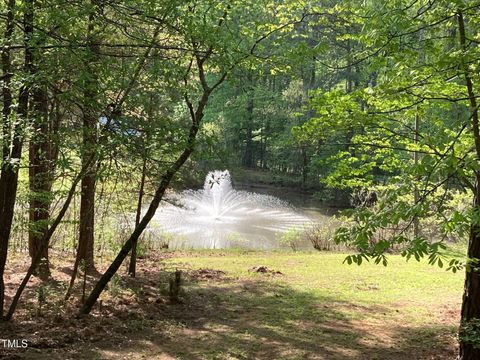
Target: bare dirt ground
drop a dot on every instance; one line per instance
(219, 317)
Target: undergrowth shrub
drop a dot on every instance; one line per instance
(291, 238)
(320, 235)
(470, 333)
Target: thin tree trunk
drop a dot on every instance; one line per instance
(84, 253)
(416, 194)
(262, 148)
(87, 199)
(248, 157)
(416, 154)
(133, 256)
(304, 167)
(471, 295)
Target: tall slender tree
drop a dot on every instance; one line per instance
(8, 171)
(14, 134)
(90, 116)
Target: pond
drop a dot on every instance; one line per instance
(219, 216)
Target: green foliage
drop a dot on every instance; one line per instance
(398, 125)
(291, 238)
(470, 332)
(343, 96)
(116, 285)
(321, 234)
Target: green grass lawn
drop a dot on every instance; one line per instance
(317, 307)
(320, 307)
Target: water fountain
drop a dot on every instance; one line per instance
(219, 216)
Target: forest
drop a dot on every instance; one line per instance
(238, 179)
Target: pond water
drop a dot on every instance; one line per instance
(219, 216)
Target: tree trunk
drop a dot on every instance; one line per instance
(86, 226)
(304, 167)
(262, 148)
(11, 158)
(471, 295)
(87, 199)
(133, 256)
(248, 157)
(6, 127)
(87, 220)
(416, 193)
(42, 156)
